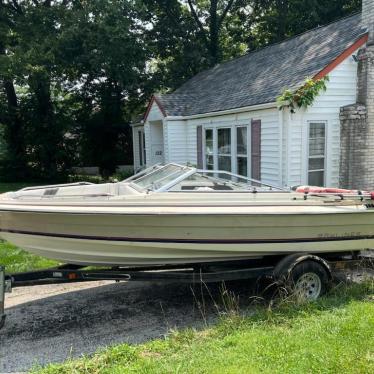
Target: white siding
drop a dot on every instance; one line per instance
(135, 145)
(148, 147)
(341, 91)
(154, 113)
(176, 133)
(182, 141)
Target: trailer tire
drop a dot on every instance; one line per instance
(308, 280)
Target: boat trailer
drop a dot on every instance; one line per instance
(272, 267)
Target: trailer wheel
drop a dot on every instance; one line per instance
(308, 280)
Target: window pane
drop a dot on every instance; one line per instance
(241, 140)
(209, 141)
(224, 163)
(317, 147)
(316, 163)
(317, 130)
(317, 139)
(242, 166)
(209, 162)
(224, 141)
(316, 178)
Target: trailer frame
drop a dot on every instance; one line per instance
(272, 267)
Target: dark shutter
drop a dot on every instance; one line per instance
(256, 149)
(140, 139)
(199, 137)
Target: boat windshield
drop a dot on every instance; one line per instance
(204, 180)
(177, 178)
(161, 177)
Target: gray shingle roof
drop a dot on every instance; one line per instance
(260, 76)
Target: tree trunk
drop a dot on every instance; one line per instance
(44, 120)
(282, 11)
(214, 32)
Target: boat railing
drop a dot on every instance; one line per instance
(339, 196)
(75, 184)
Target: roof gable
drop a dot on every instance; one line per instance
(260, 76)
(154, 106)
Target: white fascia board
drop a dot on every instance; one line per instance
(224, 112)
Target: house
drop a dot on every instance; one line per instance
(227, 117)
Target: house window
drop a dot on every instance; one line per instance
(224, 149)
(241, 151)
(209, 159)
(317, 154)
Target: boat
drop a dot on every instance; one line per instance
(177, 214)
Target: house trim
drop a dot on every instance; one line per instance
(348, 52)
(154, 100)
(224, 112)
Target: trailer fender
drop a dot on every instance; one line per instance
(283, 269)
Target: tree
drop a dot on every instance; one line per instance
(103, 47)
(75, 71)
(275, 20)
(10, 113)
(36, 119)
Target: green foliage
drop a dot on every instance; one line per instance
(303, 97)
(85, 178)
(16, 260)
(73, 73)
(332, 335)
(6, 187)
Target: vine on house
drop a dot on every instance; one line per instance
(303, 97)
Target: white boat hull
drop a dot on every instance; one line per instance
(123, 235)
(115, 253)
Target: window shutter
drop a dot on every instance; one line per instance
(199, 137)
(256, 149)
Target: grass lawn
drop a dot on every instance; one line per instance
(16, 260)
(333, 335)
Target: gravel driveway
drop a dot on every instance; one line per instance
(52, 323)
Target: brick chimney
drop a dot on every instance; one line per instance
(367, 14)
(357, 120)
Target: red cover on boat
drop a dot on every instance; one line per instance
(322, 190)
(313, 189)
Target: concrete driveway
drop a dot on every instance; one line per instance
(52, 323)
